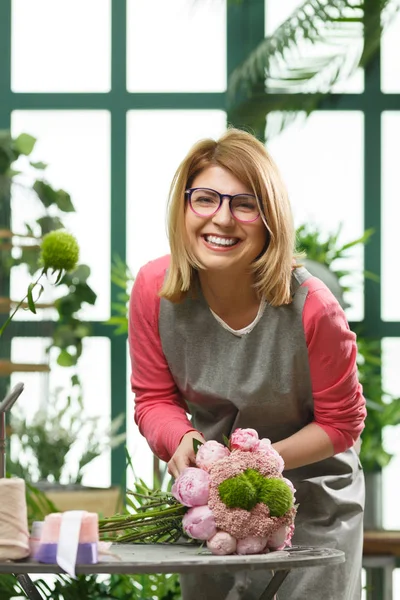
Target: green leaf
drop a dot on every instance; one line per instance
(75, 380)
(196, 445)
(65, 359)
(45, 192)
(31, 302)
(226, 441)
(39, 165)
(64, 201)
(25, 143)
(48, 224)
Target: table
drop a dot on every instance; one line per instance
(381, 557)
(184, 558)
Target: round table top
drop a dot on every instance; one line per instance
(185, 558)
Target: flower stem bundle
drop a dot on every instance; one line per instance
(158, 518)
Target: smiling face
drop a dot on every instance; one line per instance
(220, 242)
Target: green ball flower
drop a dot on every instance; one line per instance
(250, 487)
(241, 491)
(60, 251)
(277, 495)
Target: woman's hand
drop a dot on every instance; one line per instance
(184, 455)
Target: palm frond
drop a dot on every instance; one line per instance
(320, 44)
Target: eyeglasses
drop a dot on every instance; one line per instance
(205, 202)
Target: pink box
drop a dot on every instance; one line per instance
(89, 533)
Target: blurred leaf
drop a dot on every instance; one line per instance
(45, 192)
(31, 303)
(48, 224)
(25, 143)
(39, 165)
(64, 202)
(65, 359)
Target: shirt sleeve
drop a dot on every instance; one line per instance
(160, 411)
(339, 405)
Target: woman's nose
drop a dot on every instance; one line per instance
(224, 216)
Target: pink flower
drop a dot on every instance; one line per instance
(199, 523)
(290, 484)
(251, 545)
(265, 446)
(244, 439)
(192, 487)
(277, 540)
(209, 453)
(222, 543)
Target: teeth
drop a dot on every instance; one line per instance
(213, 239)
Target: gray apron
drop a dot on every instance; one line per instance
(262, 380)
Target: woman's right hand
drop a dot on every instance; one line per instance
(184, 455)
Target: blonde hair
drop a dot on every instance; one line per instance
(247, 159)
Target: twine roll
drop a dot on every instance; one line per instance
(14, 534)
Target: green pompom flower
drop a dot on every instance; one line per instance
(60, 251)
(277, 495)
(250, 487)
(241, 491)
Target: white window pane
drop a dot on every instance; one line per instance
(391, 483)
(390, 214)
(324, 177)
(61, 46)
(390, 52)
(276, 12)
(76, 146)
(157, 143)
(94, 372)
(137, 446)
(176, 46)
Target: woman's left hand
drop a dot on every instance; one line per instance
(184, 455)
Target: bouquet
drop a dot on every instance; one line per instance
(235, 499)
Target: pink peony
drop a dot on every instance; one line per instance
(290, 484)
(199, 523)
(277, 540)
(244, 439)
(251, 545)
(265, 446)
(222, 543)
(209, 453)
(192, 487)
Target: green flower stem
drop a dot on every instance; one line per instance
(141, 524)
(155, 531)
(111, 524)
(151, 505)
(19, 306)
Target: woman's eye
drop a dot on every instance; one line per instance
(205, 200)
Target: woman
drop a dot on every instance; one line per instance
(232, 330)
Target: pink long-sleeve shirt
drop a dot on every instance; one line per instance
(160, 410)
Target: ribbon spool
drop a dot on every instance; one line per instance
(14, 534)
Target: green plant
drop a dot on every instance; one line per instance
(383, 409)
(19, 248)
(122, 277)
(90, 587)
(59, 428)
(60, 252)
(291, 71)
